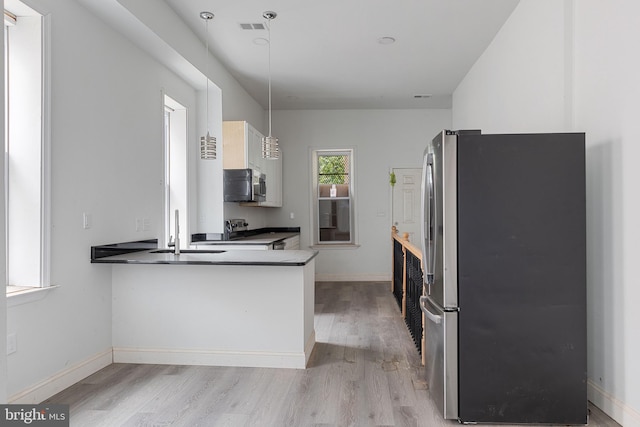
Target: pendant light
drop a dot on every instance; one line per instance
(207, 143)
(270, 147)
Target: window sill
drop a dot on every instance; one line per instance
(18, 295)
(337, 246)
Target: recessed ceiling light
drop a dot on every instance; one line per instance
(261, 41)
(386, 40)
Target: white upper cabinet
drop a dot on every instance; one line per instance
(243, 149)
(273, 171)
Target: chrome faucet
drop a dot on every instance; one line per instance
(176, 243)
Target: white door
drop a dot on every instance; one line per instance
(406, 202)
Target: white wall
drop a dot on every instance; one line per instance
(607, 90)
(236, 102)
(107, 161)
(256, 217)
(382, 139)
(208, 172)
(574, 70)
(518, 84)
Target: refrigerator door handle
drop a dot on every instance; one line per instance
(432, 226)
(428, 235)
(437, 319)
(424, 230)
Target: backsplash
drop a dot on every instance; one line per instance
(256, 217)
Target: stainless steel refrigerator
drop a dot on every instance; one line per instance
(504, 259)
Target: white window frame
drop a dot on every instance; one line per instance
(44, 281)
(315, 198)
(176, 178)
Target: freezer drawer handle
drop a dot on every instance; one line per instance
(433, 317)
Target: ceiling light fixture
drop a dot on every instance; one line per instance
(208, 149)
(270, 146)
(386, 40)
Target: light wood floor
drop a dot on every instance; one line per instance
(364, 371)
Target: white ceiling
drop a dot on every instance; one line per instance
(326, 55)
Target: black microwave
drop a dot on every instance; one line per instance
(244, 185)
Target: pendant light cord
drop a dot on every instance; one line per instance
(269, 143)
(206, 72)
(269, 34)
(207, 142)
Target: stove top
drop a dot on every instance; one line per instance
(233, 227)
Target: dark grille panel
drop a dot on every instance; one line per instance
(414, 291)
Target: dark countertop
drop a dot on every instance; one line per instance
(256, 239)
(111, 249)
(260, 236)
(141, 253)
(193, 257)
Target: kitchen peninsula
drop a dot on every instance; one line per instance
(250, 308)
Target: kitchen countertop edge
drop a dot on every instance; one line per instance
(191, 262)
(142, 252)
(260, 236)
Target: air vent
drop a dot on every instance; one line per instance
(422, 96)
(250, 26)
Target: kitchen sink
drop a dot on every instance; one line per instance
(187, 251)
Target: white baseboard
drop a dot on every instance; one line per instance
(380, 277)
(70, 376)
(622, 413)
(257, 359)
(63, 379)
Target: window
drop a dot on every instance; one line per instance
(333, 179)
(175, 168)
(26, 149)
